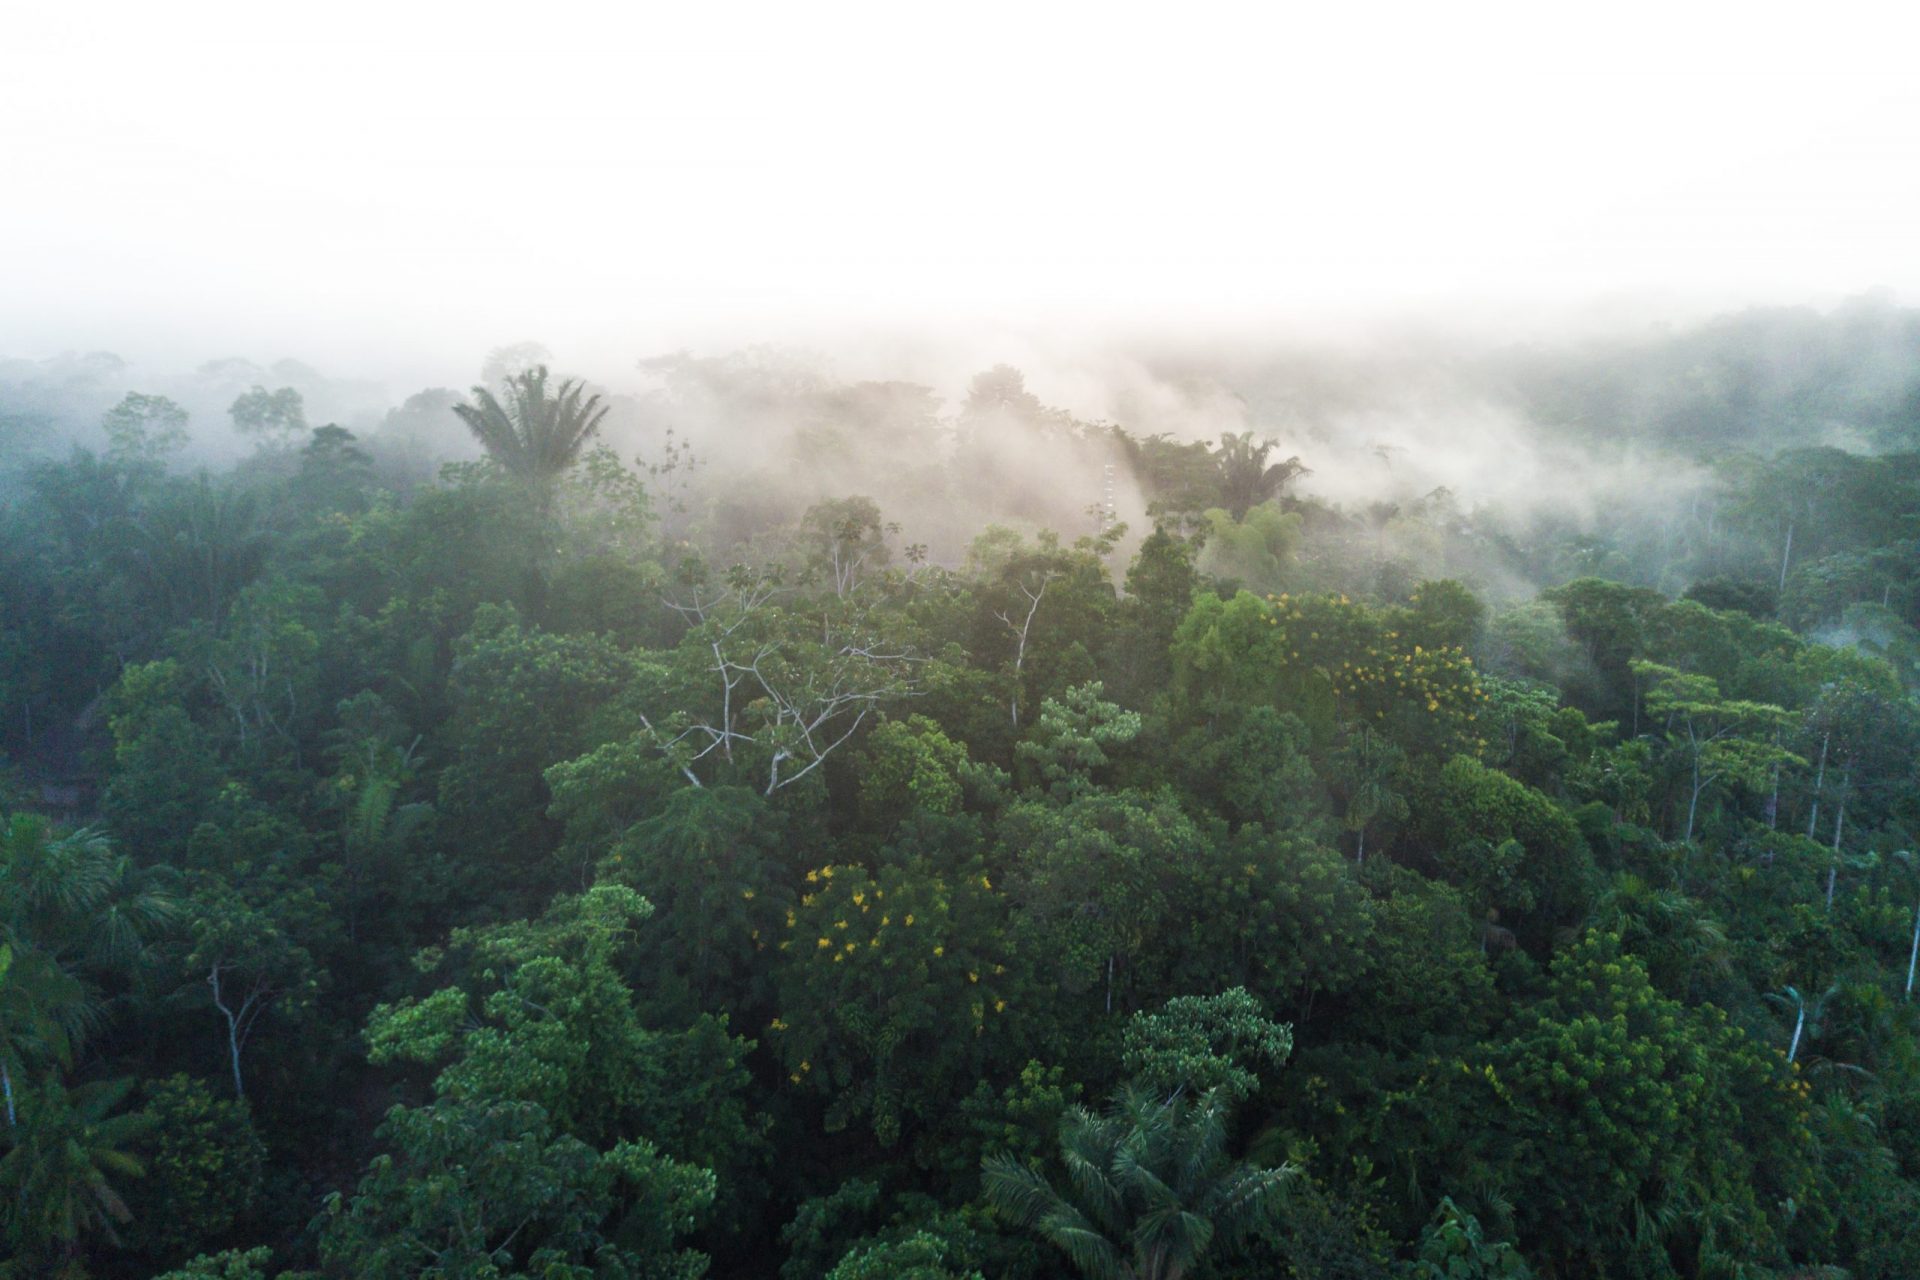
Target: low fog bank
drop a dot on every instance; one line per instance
(1425, 451)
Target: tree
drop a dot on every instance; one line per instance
(1454, 1247)
(709, 858)
(1367, 772)
(1150, 1189)
(776, 691)
(486, 1188)
(190, 552)
(911, 767)
(919, 1256)
(1067, 743)
(204, 1165)
(1509, 846)
(1094, 879)
(1197, 1044)
(1246, 478)
(239, 943)
(1808, 1019)
(536, 435)
(1616, 1105)
(1709, 732)
(846, 540)
(541, 1013)
(1253, 551)
(57, 1180)
(71, 910)
(228, 1264)
(1256, 767)
(276, 417)
(524, 699)
(888, 985)
(1160, 586)
(526, 1161)
(144, 429)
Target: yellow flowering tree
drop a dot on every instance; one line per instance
(888, 984)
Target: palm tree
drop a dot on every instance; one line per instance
(536, 435)
(1150, 1188)
(1246, 480)
(57, 1180)
(1667, 928)
(190, 554)
(68, 907)
(1808, 1018)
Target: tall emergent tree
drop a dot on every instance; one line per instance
(536, 435)
(1246, 478)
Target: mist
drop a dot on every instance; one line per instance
(1441, 452)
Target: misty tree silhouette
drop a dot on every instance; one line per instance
(1246, 480)
(536, 435)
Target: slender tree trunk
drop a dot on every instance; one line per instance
(1913, 954)
(1773, 801)
(1786, 556)
(233, 1050)
(1819, 781)
(1799, 1021)
(6, 1081)
(1693, 801)
(1360, 854)
(235, 1019)
(1839, 825)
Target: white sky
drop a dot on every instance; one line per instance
(372, 184)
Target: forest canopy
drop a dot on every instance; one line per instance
(751, 823)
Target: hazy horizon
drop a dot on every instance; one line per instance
(391, 194)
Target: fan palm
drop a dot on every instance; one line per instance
(1246, 479)
(1150, 1189)
(536, 434)
(68, 905)
(1668, 929)
(57, 1180)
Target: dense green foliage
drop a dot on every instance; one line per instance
(564, 869)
